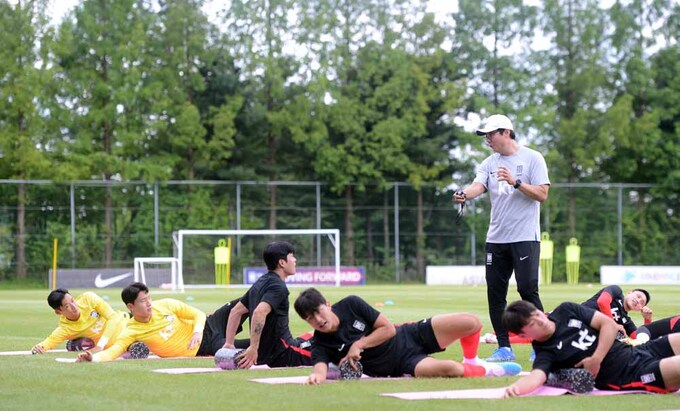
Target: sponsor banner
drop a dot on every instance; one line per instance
(312, 275)
(459, 275)
(95, 278)
(639, 274)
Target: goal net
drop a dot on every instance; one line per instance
(195, 252)
(160, 272)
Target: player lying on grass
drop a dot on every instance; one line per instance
(169, 327)
(352, 330)
(576, 336)
(611, 301)
(86, 316)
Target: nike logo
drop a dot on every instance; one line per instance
(559, 345)
(341, 347)
(100, 282)
(523, 258)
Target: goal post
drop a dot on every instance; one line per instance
(179, 239)
(155, 277)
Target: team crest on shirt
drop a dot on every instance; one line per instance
(359, 325)
(518, 170)
(648, 378)
(574, 323)
(94, 314)
(169, 318)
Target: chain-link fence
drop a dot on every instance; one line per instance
(395, 232)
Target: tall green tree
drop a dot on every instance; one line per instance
(492, 40)
(103, 54)
(632, 124)
(181, 49)
(259, 32)
(24, 64)
(576, 61)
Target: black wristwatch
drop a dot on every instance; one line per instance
(518, 183)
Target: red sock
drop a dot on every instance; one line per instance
(470, 370)
(470, 344)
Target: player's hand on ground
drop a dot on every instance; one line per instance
(511, 391)
(247, 358)
(38, 349)
(315, 379)
(84, 356)
(646, 313)
(195, 341)
(591, 364)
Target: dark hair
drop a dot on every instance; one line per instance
(512, 132)
(273, 252)
(517, 315)
(308, 302)
(643, 291)
(130, 293)
(56, 297)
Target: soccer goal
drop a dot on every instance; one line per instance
(161, 272)
(194, 250)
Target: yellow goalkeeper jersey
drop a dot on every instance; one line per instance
(167, 334)
(98, 321)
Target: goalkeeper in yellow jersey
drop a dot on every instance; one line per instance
(86, 316)
(169, 327)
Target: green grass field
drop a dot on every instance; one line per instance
(39, 382)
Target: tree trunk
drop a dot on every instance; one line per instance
(420, 238)
(272, 207)
(386, 230)
(21, 232)
(571, 207)
(349, 231)
(108, 225)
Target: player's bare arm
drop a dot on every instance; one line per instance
(233, 322)
(526, 384)
(318, 375)
(249, 357)
(471, 191)
(607, 334)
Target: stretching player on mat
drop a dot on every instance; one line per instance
(576, 336)
(611, 301)
(266, 301)
(86, 316)
(169, 327)
(351, 330)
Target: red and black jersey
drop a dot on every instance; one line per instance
(609, 301)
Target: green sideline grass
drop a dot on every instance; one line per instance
(39, 382)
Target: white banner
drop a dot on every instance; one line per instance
(458, 274)
(639, 274)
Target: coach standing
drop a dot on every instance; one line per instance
(516, 178)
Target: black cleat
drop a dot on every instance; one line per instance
(577, 380)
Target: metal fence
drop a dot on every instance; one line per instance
(615, 224)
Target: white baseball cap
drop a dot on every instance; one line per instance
(493, 123)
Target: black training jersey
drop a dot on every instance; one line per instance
(574, 339)
(271, 289)
(357, 318)
(619, 313)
